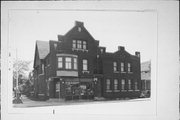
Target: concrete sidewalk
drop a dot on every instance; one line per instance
(58, 102)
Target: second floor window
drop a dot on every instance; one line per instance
(68, 63)
(85, 65)
(129, 67)
(115, 66)
(84, 45)
(75, 63)
(115, 84)
(74, 43)
(122, 84)
(60, 62)
(122, 67)
(79, 44)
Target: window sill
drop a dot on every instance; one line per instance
(108, 90)
(136, 90)
(85, 71)
(123, 90)
(123, 72)
(116, 71)
(130, 72)
(130, 90)
(76, 49)
(116, 90)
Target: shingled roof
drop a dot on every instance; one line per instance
(43, 48)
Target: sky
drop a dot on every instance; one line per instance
(136, 31)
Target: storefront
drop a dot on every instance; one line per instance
(74, 88)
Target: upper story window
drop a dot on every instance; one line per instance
(115, 84)
(129, 84)
(122, 67)
(108, 84)
(129, 67)
(60, 62)
(75, 63)
(123, 84)
(74, 43)
(68, 63)
(79, 29)
(79, 44)
(115, 66)
(84, 45)
(85, 65)
(101, 50)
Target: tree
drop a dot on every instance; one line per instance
(20, 68)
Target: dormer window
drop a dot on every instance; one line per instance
(79, 29)
(55, 46)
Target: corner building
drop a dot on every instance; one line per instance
(76, 67)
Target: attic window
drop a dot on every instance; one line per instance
(79, 29)
(101, 50)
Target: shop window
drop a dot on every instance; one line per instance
(85, 65)
(58, 86)
(75, 63)
(122, 67)
(60, 62)
(135, 85)
(115, 66)
(115, 84)
(122, 84)
(68, 63)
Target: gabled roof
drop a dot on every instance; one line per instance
(43, 48)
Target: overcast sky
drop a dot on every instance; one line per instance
(136, 31)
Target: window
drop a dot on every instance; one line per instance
(75, 63)
(84, 45)
(42, 68)
(55, 45)
(122, 84)
(129, 67)
(85, 64)
(68, 63)
(115, 84)
(115, 66)
(74, 43)
(101, 50)
(58, 86)
(129, 84)
(79, 46)
(79, 29)
(122, 67)
(135, 85)
(60, 62)
(108, 83)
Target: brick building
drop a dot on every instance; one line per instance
(146, 75)
(75, 66)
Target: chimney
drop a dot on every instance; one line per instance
(78, 23)
(137, 54)
(121, 48)
(60, 37)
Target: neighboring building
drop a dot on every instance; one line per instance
(146, 75)
(76, 66)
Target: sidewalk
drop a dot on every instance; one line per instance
(58, 102)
